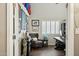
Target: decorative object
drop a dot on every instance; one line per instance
(35, 22)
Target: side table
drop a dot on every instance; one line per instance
(45, 43)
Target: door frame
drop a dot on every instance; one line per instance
(9, 29)
(70, 30)
(12, 30)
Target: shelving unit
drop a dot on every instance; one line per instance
(24, 27)
(26, 13)
(24, 9)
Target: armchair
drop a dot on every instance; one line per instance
(36, 43)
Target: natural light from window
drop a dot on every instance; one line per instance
(50, 27)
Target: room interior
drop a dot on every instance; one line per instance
(7, 48)
(43, 32)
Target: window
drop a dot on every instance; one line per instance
(53, 27)
(50, 27)
(43, 27)
(57, 27)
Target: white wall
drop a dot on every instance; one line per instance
(47, 11)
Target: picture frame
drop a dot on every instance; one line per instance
(35, 22)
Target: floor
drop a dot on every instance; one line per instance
(47, 51)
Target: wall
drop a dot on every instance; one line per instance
(3, 38)
(76, 40)
(47, 11)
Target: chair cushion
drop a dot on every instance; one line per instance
(34, 39)
(38, 41)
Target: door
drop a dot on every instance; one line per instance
(12, 30)
(9, 29)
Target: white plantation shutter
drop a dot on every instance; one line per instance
(52, 27)
(43, 27)
(57, 27)
(48, 26)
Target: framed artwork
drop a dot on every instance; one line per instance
(35, 22)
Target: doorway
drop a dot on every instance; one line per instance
(70, 29)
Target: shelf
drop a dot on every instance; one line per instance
(24, 9)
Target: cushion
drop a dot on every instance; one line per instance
(34, 39)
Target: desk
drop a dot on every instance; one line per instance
(59, 39)
(60, 44)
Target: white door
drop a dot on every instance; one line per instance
(12, 30)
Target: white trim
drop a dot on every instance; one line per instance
(70, 35)
(9, 29)
(16, 41)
